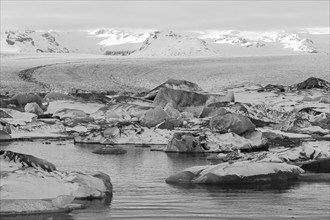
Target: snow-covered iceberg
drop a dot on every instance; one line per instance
(37, 186)
(245, 172)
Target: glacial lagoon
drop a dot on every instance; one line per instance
(140, 191)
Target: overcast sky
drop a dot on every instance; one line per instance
(177, 15)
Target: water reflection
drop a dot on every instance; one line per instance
(179, 161)
(53, 216)
(96, 204)
(244, 188)
(88, 147)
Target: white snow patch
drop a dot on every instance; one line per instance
(86, 107)
(116, 37)
(287, 134)
(37, 184)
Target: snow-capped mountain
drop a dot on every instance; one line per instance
(116, 37)
(296, 43)
(31, 41)
(260, 39)
(236, 40)
(165, 43)
(169, 43)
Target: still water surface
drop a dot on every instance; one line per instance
(140, 191)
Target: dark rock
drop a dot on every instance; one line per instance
(119, 52)
(110, 150)
(130, 99)
(91, 96)
(189, 101)
(48, 116)
(213, 111)
(236, 107)
(277, 140)
(22, 99)
(272, 88)
(184, 143)
(235, 123)
(154, 116)
(311, 83)
(180, 99)
(219, 104)
(174, 84)
(27, 160)
(309, 110)
(265, 115)
(259, 123)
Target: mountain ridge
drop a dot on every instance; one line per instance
(156, 42)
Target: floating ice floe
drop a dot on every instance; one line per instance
(32, 185)
(311, 156)
(245, 172)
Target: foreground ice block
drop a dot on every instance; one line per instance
(32, 185)
(237, 173)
